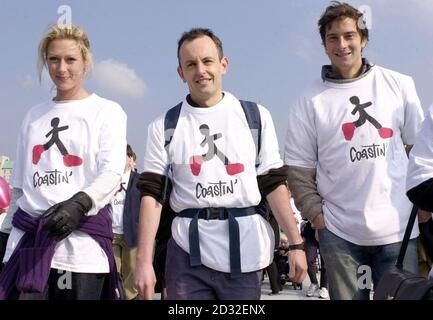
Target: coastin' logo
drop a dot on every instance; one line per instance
(195, 162)
(69, 160)
(349, 127)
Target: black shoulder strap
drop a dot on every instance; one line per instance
(252, 113)
(406, 237)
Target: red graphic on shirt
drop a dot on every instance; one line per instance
(349, 127)
(69, 160)
(195, 162)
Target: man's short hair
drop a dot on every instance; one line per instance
(195, 33)
(337, 11)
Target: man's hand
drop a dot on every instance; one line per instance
(423, 216)
(65, 216)
(297, 265)
(318, 222)
(144, 280)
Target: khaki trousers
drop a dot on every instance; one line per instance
(125, 261)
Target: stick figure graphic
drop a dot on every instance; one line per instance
(68, 159)
(121, 188)
(196, 161)
(349, 127)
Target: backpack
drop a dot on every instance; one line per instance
(399, 284)
(252, 115)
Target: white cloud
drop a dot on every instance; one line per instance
(116, 78)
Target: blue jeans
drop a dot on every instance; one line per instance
(351, 268)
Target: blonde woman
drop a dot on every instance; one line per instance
(70, 157)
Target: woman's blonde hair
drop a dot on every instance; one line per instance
(71, 32)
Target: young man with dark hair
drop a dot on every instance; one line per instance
(345, 148)
(217, 183)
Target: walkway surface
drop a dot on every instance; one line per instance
(288, 293)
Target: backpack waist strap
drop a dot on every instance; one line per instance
(222, 214)
(217, 213)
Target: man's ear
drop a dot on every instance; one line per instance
(363, 43)
(224, 65)
(180, 73)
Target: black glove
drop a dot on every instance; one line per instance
(3, 242)
(65, 216)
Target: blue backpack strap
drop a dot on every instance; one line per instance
(252, 113)
(170, 123)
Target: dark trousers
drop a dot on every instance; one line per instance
(159, 264)
(274, 277)
(202, 283)
(272, 269)
(311, 252)
(66, 285)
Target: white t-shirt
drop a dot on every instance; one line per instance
(361, 166)
(296, 213)
(93, 133)
(214, 184)
(118, 204)
(420, 167)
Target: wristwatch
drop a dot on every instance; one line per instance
(299, 246)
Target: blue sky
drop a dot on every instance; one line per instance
(273, 47)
